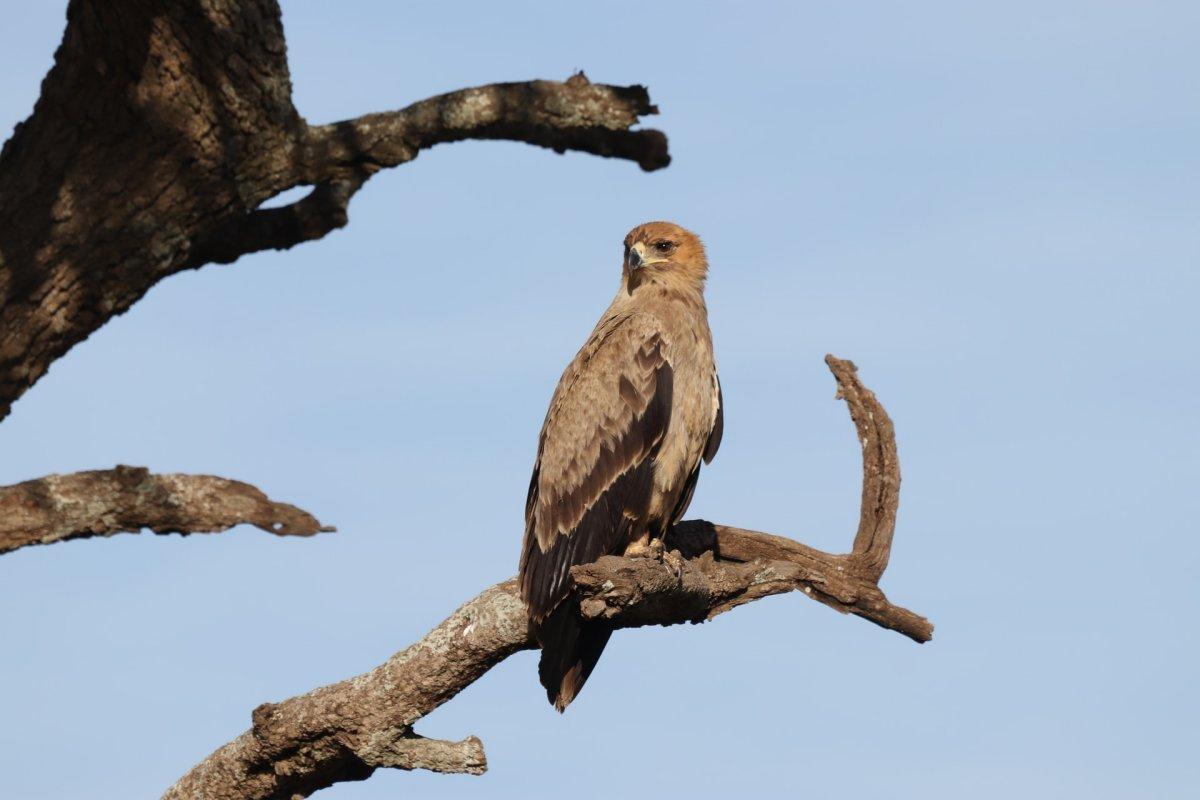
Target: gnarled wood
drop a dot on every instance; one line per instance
(81, 505)
(164, 126)
(335, 733)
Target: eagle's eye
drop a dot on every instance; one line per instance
(663, 246)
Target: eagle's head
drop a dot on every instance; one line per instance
(665, 254)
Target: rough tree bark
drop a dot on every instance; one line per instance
(345, 731)
(163, 126)
(57, 508)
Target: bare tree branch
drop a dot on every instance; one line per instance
(711, 580)
(161, 130)
(333, 734)
(728, 566)
(337, 159)
(574, 115)
(321, 211)
(337, 732)
(58, 508)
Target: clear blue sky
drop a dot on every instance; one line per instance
(992, 208)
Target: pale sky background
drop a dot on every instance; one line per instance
(991, 208)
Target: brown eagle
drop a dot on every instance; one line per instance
(620, 450)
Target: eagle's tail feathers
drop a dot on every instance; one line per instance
(570, 649)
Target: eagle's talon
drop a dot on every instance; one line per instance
(674, 561)
(646, 549)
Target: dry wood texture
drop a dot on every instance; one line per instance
(345, 731)
(163, 126)
(57, 508)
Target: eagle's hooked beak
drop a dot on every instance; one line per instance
(637, 255)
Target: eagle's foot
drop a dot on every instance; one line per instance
(674, 561)
(645, 548)
(657, 550)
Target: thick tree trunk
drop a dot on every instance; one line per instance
(157, 122)
(164, 125)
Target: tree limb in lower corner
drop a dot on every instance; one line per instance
(338, 732)
(81, 505)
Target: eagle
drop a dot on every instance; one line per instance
(619, 454)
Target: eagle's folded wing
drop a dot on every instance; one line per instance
(594, 476)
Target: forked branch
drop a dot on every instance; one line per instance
(161, 160)
(337, 159)
(726, 567)
(346, 730)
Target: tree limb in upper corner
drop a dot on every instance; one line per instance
(163, 127)
(58, 508)
(345, 731)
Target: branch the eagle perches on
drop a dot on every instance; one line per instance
(345, 731)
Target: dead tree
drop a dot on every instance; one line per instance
(161, 130)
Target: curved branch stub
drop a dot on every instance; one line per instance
(881, 471)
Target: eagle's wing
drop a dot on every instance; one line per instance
(718, 428)
(594, 476)
(711, 445)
